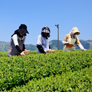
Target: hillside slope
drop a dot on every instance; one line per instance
(53, 44)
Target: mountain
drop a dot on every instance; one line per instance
(4, 46)
(54, 43)
(30, 47)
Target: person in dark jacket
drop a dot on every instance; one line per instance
(17, 41)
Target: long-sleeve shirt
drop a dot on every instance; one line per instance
(42, 44)
(77, 42)
(16, 45)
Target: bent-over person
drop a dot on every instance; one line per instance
(17, 41)
(71, 39)
(43, 42)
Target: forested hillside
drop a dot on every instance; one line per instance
(53, 44)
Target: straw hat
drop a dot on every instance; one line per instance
(75, 30)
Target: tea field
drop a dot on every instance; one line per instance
(51, 72)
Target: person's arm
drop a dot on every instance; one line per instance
(79, 44)
(49, 47)
(15, 40)
(23, 47)
(39, 44)
(18, 49)
(65, 40)
(24, 44)
(81, 47)
(41, 49)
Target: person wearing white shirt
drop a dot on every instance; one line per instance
(42, 40)
(17, 41)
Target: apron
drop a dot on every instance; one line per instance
(12, 49)
(70, 47)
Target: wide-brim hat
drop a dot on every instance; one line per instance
(23, 26)
(27, 31)
(75, 30)
(22, 31)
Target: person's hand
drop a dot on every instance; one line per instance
(22, 54)
(85, 49)
(25, 50)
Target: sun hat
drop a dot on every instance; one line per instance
(22, 31)
(45, 30)
(23, 26)
(75, 30)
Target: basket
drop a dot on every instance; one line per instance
(50, 51)
(26, 52)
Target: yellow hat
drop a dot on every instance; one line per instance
(75, 30)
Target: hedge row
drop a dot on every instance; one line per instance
(15, 71)
(77, 81)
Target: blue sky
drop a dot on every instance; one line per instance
(39, 13)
